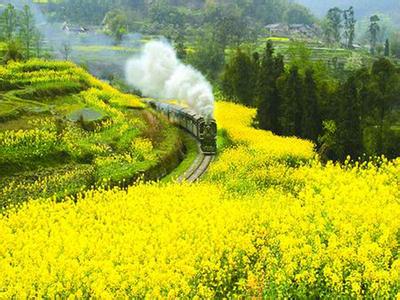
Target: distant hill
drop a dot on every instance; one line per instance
(363, 8)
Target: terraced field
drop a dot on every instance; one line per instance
(62, 131)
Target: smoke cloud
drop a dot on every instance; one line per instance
(158, 73)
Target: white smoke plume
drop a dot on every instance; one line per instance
(158, 73)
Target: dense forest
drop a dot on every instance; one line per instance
(176, 13)
(354, 116)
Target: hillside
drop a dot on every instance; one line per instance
(62, 130)
(363, 8)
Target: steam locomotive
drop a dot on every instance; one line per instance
(205, 131)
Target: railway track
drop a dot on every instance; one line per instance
(198, 168)
(204, 130)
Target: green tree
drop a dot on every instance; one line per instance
(209, 56)
(332, 26)
(298, 14)
(13, 52)
(349, 26)
(311, 123)
(180, 48)
(268, 95)
(349, 121)
(27, 32)
(116, 24)
(230, 27)
(386, 95)
(265, 82)
(37, 43)
(328, 141)
(276, 99)
(374, 29)
(292, 108)
(395, 44)
(238, 80)
(163, 13)
(8, 22)
(299, 55)
(353, 62)
(387, 48)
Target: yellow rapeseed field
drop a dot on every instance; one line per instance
(268, 221)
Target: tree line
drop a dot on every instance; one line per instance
(18, 30)
(174, 17)
(92, 12)
(353, 116)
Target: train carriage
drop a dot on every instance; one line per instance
(205, 131)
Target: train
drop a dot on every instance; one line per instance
(205, 131)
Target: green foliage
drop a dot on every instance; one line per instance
(19, 31)
(180, 48)
(358, 111)
(311, 119)
(328, 141)
(332, 26)
(209, 56)
(230, 26)
(13, 52)
(292, 104)
(298, 14)
(395, 44)
(77, 128)
(387, 48)
(349, 126)
(27, 30)
(374, 29)
(191, 149)
(116, 23)
(354, 62)
(349, 27)
(299, 55)
(8, 23)
(269, 99)
(57, 181)
(82, 12)
(233, 18)
(239, 79)
(368, 103)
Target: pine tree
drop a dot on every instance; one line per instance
(265, 86)
(386, 90)
(374, 29)
(276, 99)
(333, 25)
(292, 108)
(269, 99)
(311, 123)
(387, 48)
(243, 78)
(349, 26)
(8, 22)
(256, 70)
(349, 121)
(27, 31)
(238, 80)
